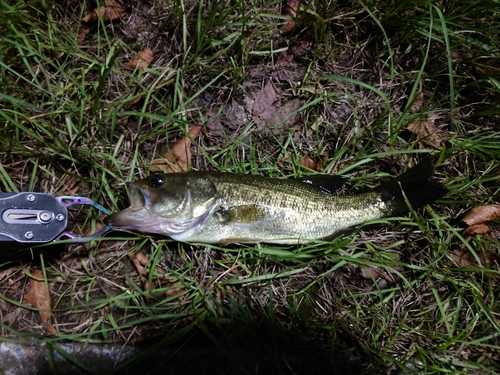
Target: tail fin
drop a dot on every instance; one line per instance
(418, 187)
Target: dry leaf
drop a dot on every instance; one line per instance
(175, 289)
(370, 272)
(140, 261)
(214, 124)
(141, 60)
(475, 229)
(89, 232)
(82, 34)
(39, 297)
(290, 9)
(109, 11)
(475, 220)
(426, 133)
(418, 103)
(70, 187)
(465, 258)
(178, 159)
(317, 166)
(269, 111)
(477, 216)
(481, 214)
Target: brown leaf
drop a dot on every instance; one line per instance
(82, 34)
(214, 124)
(285, 59)
(98, 227)
(290, 9)
(140, 262)
(475, 229)
(307, 162)
(317, 166)
(481, 214)
(465, 258)
(70, 186)
(370, 272)
(109, 11)
(174, 289)
(141, 60)
(178, 159)
(475, 220)
(269, 111)
(39, 297)
(426, 133)
(418, 103)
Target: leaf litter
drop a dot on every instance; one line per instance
(272, 113)
(39, 297)
(141, 60)
(109, 11)
(478, 220)
(178, 158)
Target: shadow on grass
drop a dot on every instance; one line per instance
(238, 348)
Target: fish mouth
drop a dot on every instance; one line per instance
(135, 216)
(139, 198)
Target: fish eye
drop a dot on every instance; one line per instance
(156, 181)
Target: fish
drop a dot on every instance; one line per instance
(223, 208)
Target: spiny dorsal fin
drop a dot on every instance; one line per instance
(325, 183)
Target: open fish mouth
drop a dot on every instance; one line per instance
(139, 198)
(137, 215)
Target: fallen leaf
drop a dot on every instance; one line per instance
(178, 159)
(82, 34)
(317, 166)
(426, 133)
(175, 289)
(465, 258)
(475, 220)
(214, 124)
(39, 297)
(70, 186)
(90, 231)
(285, 59)
(418, 103)
(109, 11)
(141, 60)
(140, 262)
(269, 111)
(384, 278)
(290, 9)
(475, 229)
(479, 215)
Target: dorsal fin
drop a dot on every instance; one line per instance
(325, 183)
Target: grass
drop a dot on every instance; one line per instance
(72, 116)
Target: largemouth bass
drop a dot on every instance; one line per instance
(217, 207)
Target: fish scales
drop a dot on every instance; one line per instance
(293, 212)
(217, 207)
